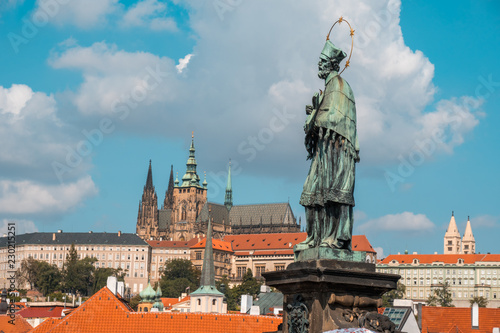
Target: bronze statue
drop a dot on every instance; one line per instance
(332, 144)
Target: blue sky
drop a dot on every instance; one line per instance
(92, 90)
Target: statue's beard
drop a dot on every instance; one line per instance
(323, 73)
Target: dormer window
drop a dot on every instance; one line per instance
(415, 261)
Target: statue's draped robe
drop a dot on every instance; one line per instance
(329, 186)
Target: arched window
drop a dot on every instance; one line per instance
(214, 302)
(199, 301)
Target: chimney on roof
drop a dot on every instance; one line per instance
(119, 233)
(112, 284)
(59, 231)
(90, 231)
(54, 236)
(475, 316)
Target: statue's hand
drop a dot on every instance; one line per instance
(309, 109)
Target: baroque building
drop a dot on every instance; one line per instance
(185, 211)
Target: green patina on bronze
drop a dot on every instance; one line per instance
(332, 145)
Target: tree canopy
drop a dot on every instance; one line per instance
(441, 296)
(481, 301)
(178, 275)
(398, 293)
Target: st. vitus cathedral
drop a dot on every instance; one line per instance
(185, 211)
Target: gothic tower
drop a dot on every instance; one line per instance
(468, 241)
(452, 238)
(228, 199)
(168, 203)
(188, 200)
(147, 217)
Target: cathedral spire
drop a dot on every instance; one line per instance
(228, 200)
(169, 194)
(149, 180)
(191, 178)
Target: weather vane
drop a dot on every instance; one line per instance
(339, 21)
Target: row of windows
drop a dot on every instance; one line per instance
(171, 251)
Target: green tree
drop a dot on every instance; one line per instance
(249, 286)
(134, 302)
(398, 293)
(48, 279)
(28, 272)
(178, 275)
(78, 273)
(441, 296)
(481, 301)
(223, 286)
(101, 275)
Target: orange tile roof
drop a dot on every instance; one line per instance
(41, 311)
(104, 312)
(20, 324)
(245, 242)
(265, 252)
(444, 258)
(154, 243)
(168, 302)
(439, 319)
(217, 244)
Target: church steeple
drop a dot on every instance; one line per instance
(149, 180)
(147, 215)
(468, 241)
(168, 203)
(228, 200)
(191, 178)
(452, 239)
(202, 298)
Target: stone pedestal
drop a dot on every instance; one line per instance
(327, 294)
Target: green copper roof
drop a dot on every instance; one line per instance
(191, 178)
(158, 304)
(148, 294)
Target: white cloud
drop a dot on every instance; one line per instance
(405, 221)
(243, 72)
(149, 13)
(81, 13)
(380, 252)
(28, 197)
(486, 221)
(21, 226)
(33, 136)
(183, 62)
(112, 76)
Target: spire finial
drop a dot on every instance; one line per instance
(228, 199)
(452, 213)
(192, 134)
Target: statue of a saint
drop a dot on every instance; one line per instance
(332, 145)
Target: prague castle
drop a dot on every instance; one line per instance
(185, 211)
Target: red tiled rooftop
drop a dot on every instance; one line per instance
(104, 312)
(168, 302)
(443, 258)
(20, 324)
(217, 244)
(440, 319)
(281, 241)
(41, 311)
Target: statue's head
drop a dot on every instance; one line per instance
(329, 59)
